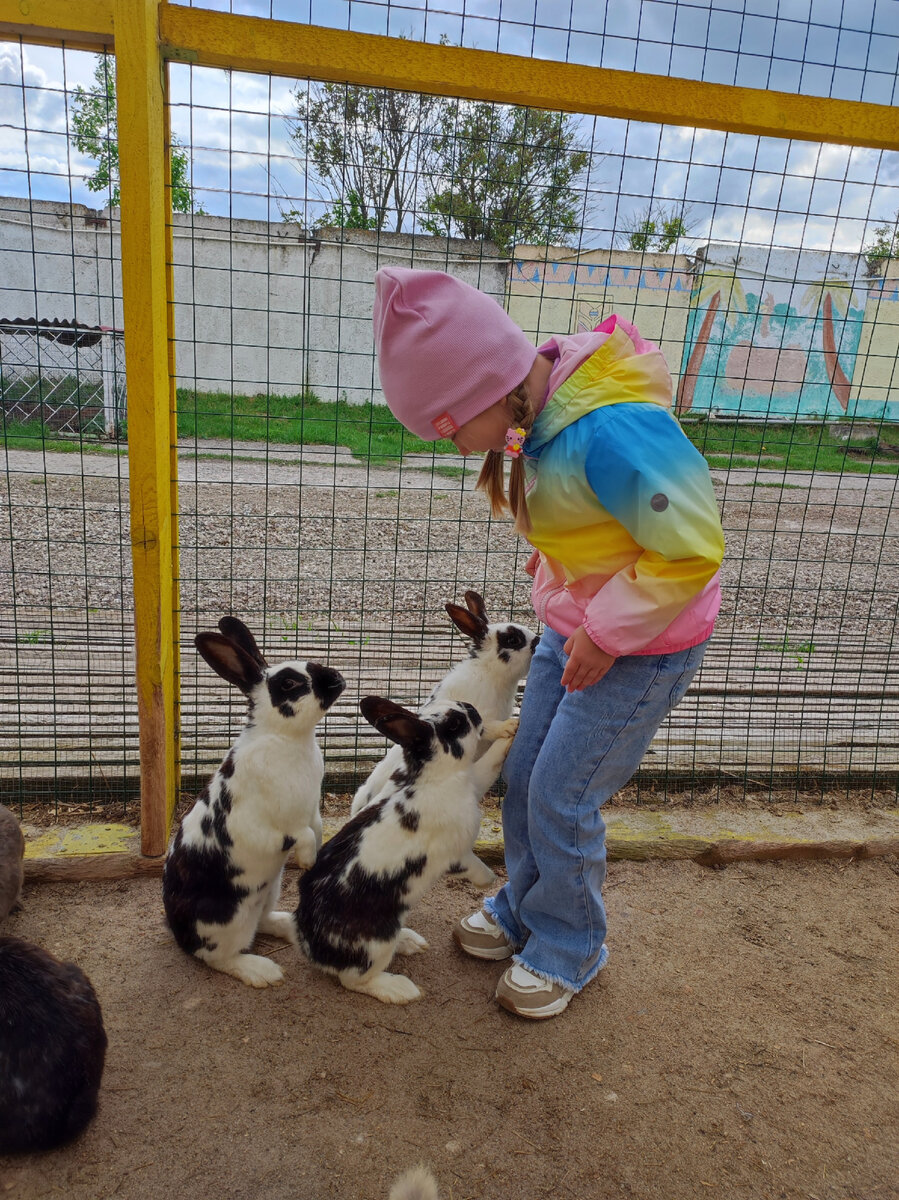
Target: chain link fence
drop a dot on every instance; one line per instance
(63, 377)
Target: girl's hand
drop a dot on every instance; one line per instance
(587, 663)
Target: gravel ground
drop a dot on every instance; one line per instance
(330, 558)
(323, 535)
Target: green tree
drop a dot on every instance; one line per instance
(507, 175)
(884, 246)
(371, 149)
(95, 133)
(657, 229)
(347, 215)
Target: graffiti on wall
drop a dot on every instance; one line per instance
(601, 274)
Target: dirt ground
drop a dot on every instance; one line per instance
(742, 1042)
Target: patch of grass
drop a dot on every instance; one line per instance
(54, 389)
(723, 462)
(369, 431)
(372, 434)
(791, 447)
(34, 637)
(293, 624)
(35, 435)
(798, 650)
(208, 456)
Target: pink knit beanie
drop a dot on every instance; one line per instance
(446, 351)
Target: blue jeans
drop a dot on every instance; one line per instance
(571, 753)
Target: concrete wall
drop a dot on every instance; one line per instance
(265, 308)
(553, 291)
(258, 307)
(875, 380)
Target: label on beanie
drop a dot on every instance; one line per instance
(445, 425)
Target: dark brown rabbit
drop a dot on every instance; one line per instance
(12, 850)
(52, 1048)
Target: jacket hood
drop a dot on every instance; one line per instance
(623, 369)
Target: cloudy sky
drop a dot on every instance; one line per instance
(737, 188)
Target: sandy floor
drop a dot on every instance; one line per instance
(742, 1042)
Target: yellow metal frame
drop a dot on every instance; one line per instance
(147, 294)
(215, 39)
(144, 34)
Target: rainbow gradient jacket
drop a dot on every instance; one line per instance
(624, 522)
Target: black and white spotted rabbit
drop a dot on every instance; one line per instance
(354, 899)
(52, 1048)
(500, 658)
(222, 877)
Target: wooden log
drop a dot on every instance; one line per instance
(721, 854)
(659, 841)
(93, 867)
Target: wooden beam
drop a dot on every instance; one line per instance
(307, 51)
(288, 48)
(712, 837)
(85, 25)
(147, 305)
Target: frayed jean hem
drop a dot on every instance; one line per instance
(559, 979)
(512, 938)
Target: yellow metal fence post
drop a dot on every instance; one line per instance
(147, 306)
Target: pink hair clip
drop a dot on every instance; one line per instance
(514, 440)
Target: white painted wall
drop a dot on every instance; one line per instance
(264, 308)
(258, 307)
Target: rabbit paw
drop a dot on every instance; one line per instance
(306, 848)
(410, 942)
(280, 925)
(389, 989)
(254, 970)
(495, 730)
(482, 876)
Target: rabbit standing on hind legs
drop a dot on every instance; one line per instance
(354, 900)
(500, 658)
(222, 877)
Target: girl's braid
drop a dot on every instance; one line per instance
(492, 477)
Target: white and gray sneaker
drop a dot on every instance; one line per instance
(481, 937)
(522, 992)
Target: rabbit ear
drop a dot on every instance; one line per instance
(234, 628)
(397, 723)
(475, 602)
(467, 622)
(229, 660)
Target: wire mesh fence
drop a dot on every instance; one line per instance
(764, 268)
(63, 376)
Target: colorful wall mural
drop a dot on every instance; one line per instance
(554, 292)
(748, 332)
(776, 334)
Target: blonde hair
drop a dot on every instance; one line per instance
(492, 479)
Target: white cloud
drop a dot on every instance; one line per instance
(237, 125)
